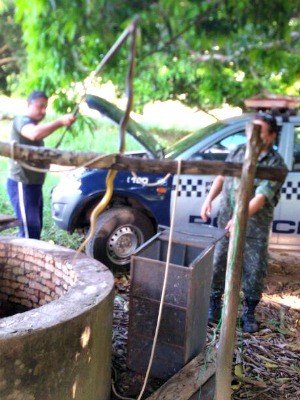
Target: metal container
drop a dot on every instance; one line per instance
(183, 326)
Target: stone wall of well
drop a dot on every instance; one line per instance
(60, 348)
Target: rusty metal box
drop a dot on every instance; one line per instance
(182, 331)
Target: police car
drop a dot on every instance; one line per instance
(142, 202)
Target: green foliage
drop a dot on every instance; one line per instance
(201, 52)
(11, 51)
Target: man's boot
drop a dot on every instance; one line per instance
(215, 308)
(249, 322)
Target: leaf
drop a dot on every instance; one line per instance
(271, 365)
(283, 380)
(265, 358)
(238, 372)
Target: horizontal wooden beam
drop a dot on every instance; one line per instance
(42, 157)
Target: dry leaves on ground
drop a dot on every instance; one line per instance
(267, 363)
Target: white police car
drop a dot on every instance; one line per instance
(136, 210)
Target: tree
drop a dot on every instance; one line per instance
(201, 52)
(11, 50)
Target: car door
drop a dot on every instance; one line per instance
(286, 223)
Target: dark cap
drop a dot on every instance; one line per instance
(269, 119)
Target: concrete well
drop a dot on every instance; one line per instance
(60, 348)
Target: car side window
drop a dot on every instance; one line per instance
(219, 150)
(296, 163)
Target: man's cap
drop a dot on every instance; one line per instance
(269, 119)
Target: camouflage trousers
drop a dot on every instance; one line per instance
(254, 267)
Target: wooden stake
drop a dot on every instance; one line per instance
(234, 266)
(188, 380)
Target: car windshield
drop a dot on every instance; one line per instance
(188, 141)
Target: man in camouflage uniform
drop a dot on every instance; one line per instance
(264, 198)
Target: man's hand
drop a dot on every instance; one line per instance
(229, 227)
(67, 120)
(213, 193)
(206, 210)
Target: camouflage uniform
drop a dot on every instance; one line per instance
(257, 232)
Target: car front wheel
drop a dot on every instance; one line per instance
(119, 232)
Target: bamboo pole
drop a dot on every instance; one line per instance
(234, 266)
(46, 156)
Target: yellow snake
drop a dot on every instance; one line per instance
(112, 173)
(100, 207)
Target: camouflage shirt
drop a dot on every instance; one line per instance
(259, 224)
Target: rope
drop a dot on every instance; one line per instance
(114, 387)
(164, 283)
(118, 395)
(44, 170)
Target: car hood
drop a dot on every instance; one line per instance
(142, 135)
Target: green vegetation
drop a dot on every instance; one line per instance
(203, 53)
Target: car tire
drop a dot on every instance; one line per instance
(119, 232)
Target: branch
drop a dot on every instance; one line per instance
(189, 24)
(227, 58)
(6, 60)
(36, 155)
(4, 48)
(6, 117)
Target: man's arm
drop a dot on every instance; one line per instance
(255, 205)
(40, 131)
(213, 193)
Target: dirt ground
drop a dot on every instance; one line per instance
(270, 357)
(283, 279)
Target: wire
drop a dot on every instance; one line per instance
(164, 283)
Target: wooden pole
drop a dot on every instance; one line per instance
(38, 156)
(234, 266)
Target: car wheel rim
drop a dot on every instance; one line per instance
(122, 243)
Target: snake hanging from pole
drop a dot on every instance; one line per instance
(111, 174)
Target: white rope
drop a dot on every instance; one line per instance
(165, 281)
(119, 395)
(44, 170)
(86, 164)
(32, 168)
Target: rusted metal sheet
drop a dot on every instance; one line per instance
(184, 318)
